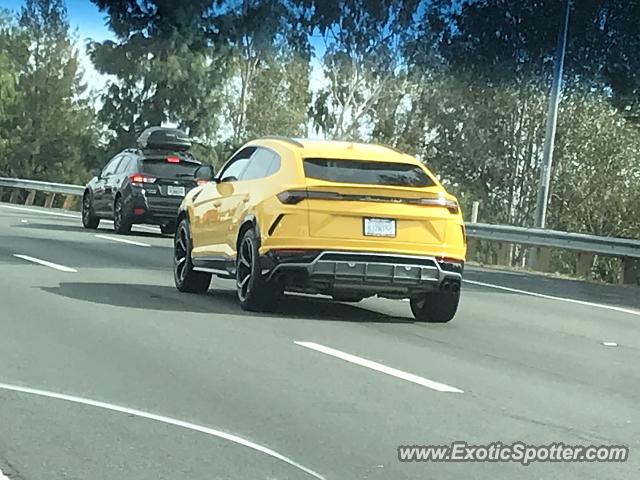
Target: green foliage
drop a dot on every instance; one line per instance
(269, 58)
(462, 85)
(47, 131)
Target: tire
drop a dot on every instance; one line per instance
(185, 277)
(347, 297)
(435, 307)
(168, 229)
(122, 220)
(255, 292)
(89, 219)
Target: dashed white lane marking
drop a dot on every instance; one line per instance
(168, 420)
(363, 362)
(610, 344)
(43, 212)
(123, 240)
(39, 261)
(552, 297)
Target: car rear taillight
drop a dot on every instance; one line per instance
(140, 178)
(451, 264)
(450, 205)
(291, 197)
(173, 159)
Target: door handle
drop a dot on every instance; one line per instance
(245, 199)
(217, 203)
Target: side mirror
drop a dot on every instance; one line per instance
(95, 172)
(203, 173)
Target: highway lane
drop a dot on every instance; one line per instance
(531, 369)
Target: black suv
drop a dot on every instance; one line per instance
(142, 185)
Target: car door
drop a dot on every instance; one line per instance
(117, 181)
(213, 209)
(251, 189)
(102, 202)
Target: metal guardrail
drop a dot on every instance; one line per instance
(538, 237)
(38, 186)
(586, 245)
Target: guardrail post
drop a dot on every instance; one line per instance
(49, 200)
(543, 259)
(15, 193)
(584, 264)
(475, 206)
(472, 248)
(69, 200)
(30, 197)
(630, 271)
(505, 251)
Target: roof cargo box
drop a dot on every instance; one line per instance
(159, 138)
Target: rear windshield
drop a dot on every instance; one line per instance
(163, 169)
(366, 172)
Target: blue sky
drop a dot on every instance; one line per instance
(84, 17)
(87, 22)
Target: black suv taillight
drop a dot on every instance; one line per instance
(141, 178)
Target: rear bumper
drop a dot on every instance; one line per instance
(155, 211)
(365, 273)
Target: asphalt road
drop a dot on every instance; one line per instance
(106, 371)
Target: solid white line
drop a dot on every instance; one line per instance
(62, 268)
(43, 212)
(123, 240)
(551, 297)
(161, 418)
(363, 362)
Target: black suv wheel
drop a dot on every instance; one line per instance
(89, 219)
(168, 228)
(122, 220)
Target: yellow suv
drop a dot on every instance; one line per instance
(343, 219)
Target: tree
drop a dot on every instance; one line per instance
(268, 92)
(362, 63)
(49, 126)
(164, 70)
(8, 81)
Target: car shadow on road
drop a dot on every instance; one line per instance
(216, 301)
(80, 228)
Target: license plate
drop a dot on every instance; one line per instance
(379, 227)
(177, 191)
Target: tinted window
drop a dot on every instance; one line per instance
(263, 163)
(125, 164)
(163, 169)
(112, 166)
(366, 172)
(235, 167)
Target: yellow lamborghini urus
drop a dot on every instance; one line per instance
(343, 219)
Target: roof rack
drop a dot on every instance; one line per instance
(284, 139)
